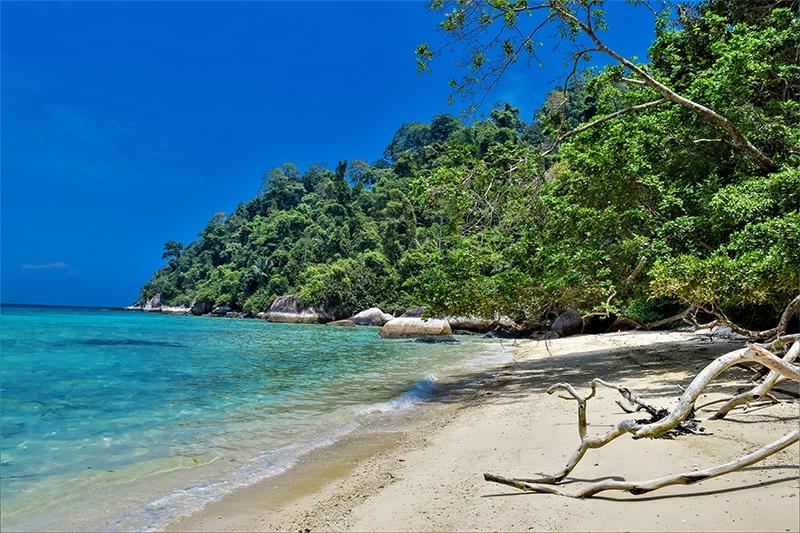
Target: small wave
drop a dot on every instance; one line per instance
(157, 514)
(421, 391)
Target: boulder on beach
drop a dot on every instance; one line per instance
(153, 304)
(405, 327)
(371, 317)
(287, 310)
(471, 323)
(568, 323)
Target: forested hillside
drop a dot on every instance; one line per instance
(639, 215)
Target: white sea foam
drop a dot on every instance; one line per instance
(420, 392)
(157, 514)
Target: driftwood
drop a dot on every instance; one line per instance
(780, 368)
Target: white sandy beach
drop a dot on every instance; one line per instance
(503, 422)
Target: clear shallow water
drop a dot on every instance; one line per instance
(121, 420)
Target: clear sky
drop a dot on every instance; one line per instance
(125, 125)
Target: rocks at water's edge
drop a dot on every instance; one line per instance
(371, 317)
(287, 309)
(202, 307)
(437, 339)
(343, 323)
(471, 323)
(222, 310)
(181, 310)
(405, 327)
(153, 304)
(570, 322)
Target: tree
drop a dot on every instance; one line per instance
(474, 23)
(172, 250)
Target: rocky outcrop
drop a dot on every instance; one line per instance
(222, 310)
(135, 306)
(371, 317)
(287, 309)
(568, 323)
(181, 310)
(202, 307)
(409, 327)
(153, 304)
(471, 323)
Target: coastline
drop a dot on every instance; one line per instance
(427, 475)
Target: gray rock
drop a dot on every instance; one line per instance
(285, 304)
(202, 307)
(181, 310)
(287, 310)
(405, 327)
(471, 323)
(222, 310)
(343, 323)
(437, 339)
(568, 323)
(622, 324)
(153, 304)
(371, 317)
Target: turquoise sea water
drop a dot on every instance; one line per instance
(121, 420)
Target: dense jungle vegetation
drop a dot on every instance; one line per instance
(638, 215)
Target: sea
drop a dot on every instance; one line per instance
(118, 420)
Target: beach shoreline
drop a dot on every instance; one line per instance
(428, 476)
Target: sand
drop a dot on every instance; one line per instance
(429, 477)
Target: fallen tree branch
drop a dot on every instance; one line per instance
(643, 487)
(684, 408)
(670, 319)
(760, 391)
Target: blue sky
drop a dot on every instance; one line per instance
(125, 125)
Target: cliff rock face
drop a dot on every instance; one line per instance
(409, 327)
(153, 304)
(568, 323)
(287, 309)
(371, 317)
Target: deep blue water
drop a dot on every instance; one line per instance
(128, 420)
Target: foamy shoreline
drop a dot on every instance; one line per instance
(428, 477)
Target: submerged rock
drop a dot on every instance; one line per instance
(404, 327)
(437, 339)
(371, 317)
(568, 323)
(343, 323)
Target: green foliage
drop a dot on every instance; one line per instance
(474, 219)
